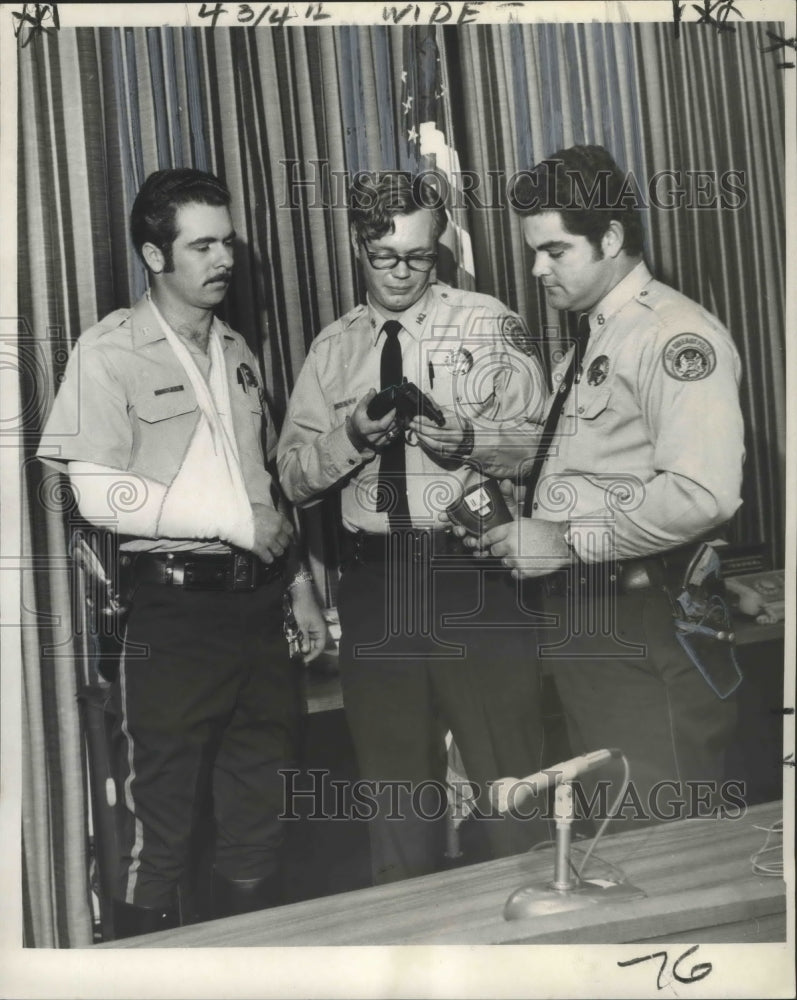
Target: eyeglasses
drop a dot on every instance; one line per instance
(387, 261)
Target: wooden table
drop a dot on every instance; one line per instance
(696, 874)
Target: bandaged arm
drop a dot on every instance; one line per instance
(132, 504)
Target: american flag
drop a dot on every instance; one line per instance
(426, 143)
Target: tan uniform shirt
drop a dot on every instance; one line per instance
(459, 348)
(651, 438)
(127, 403)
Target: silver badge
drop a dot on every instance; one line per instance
(459, 362)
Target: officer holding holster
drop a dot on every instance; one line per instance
(640, 462)
(158, 424)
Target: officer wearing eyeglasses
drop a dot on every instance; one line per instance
(427, 644)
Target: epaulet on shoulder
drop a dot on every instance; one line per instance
(348, 318)
(106, 325)
(666, 299)
(653, 294)
(341, 324)
(675, 313)
(473, 300)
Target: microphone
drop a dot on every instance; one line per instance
(506, 793)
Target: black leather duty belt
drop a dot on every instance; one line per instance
(232, 571)
(363, 548)
(625, 576)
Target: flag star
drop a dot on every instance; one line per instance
(407, 104)
(412, 135)
(404, 76)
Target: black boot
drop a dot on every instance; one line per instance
(130, 921)
(231, 896)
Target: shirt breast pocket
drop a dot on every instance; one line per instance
(162, 429)
(590, 402)
(153, 409)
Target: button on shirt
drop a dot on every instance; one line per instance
(457, 347)
(651, 437)
(127, 403)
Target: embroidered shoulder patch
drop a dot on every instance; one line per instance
(516, 333)
(689, 357)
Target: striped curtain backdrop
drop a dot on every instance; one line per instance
(284, 115)
(703, 102)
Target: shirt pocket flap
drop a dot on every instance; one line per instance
(154, 406)
(591, 401)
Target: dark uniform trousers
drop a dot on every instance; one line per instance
(624, 681)
(209, 709)
(425, 649)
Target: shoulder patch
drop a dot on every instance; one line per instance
(688, 357)
(515, 332)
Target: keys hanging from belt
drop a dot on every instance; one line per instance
(291, 629)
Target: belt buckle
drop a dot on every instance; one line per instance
(242, 574)
(174, 573)
(197, 574)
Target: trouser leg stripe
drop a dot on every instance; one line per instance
(138, 844)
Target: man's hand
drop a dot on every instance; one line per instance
(452, 441)
(514, 495)
(273, 533)
(366, 433)
(310, 620)
(528, 546)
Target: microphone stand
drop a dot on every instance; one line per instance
(567, 891)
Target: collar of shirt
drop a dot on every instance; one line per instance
(145, 328)
(413, 319)
(625, 290)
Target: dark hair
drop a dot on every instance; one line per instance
(152, 219)
(588, 189)
(376, 197)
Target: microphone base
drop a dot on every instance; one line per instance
(541, 899)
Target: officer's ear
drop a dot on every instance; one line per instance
(153, 258)
(613, 239)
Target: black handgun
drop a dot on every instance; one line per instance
(408, 401)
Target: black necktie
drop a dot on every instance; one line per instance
(548, 431)
(392, 483)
